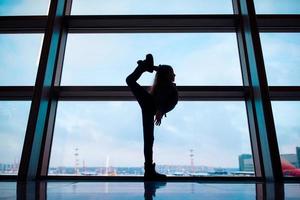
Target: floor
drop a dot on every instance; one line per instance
(148, 191)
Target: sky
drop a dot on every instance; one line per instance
(86, 7)
(101, 130)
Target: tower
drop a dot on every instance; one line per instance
(192, 160)
(76, 168)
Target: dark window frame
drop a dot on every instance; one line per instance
(57, 25)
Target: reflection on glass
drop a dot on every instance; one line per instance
(135, 191)
(277, 6)
(19, 58)
(107, 59)
(196, 139)
(286, 117)
(24, 7)
(151, 187)
(138, 191)
(8, 190)
(281, 55)
(292, 191)
(13, 121)
(144, 7)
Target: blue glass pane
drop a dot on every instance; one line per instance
(13, 122)
(19, 58)
(8, 190)
(107, 59)
(281, 55)
(277, 6)
(144, 7)
(105, 138)
(24, 7)
(291, 191)
(286, 117)
(151, 190)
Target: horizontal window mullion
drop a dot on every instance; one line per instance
(285, 93)
(278, 23)
(122, 93)
(23, 24)
(152, 23)
(149, 23)
(16, 92)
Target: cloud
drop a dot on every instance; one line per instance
(281, 58)
(18, 64)
(277, 7)
(13, 121)
(286, 118)
(207, 129)
(151, 7)
(24, 7)
(108, 58)
(98, 129)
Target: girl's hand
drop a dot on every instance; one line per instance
(158, 117)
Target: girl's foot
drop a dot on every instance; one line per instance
(147, 64)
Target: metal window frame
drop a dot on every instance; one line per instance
(47, 90)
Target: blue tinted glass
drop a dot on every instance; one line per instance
(13, 122)
(277, 6)
(291, 191)
(24, 7)
(19, 58)
(286, 117)
(136, 7)
(281, 55)
(8, 190)
(105, 138)
(151, 190)
(107, 59)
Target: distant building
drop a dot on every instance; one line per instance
(246, 162)
(291, 158)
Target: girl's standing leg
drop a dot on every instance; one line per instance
(147, 105)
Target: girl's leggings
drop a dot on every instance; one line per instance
(146, 102)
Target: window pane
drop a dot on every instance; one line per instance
(8, 190)
(144, 7)
(13, 122)
(291, 191)
(19, 58)
(281, 55)
(24, 7)
(287, 117)
(88, 141)
(152, 190)
(277, 6)
(107, 59)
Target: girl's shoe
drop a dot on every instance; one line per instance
(147, 64)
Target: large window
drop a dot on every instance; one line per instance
(106, 59)
(87, 116)
(13, 121)
(144, 7)
(197, 138)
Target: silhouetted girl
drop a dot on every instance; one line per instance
(161, 98)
